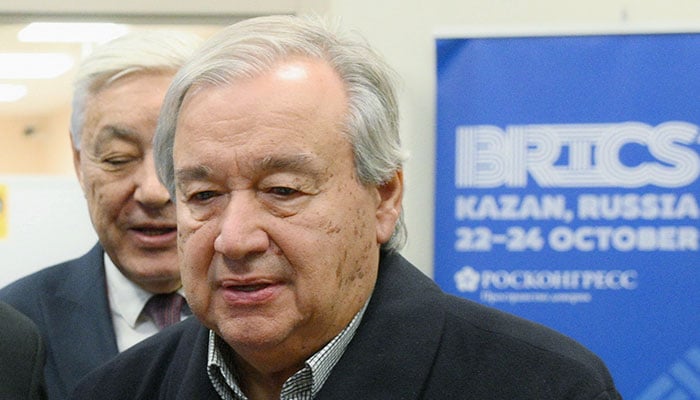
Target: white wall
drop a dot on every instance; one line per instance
(152, 8)
(46, 222)
(403, 30)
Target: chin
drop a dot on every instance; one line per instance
(249, 335)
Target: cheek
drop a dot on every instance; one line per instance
(361, 222)
(348, 221)
(360, 235)
(195, 243)
(195, 251)
(183, 234)
(186, 225)
(189, 240)
(346, 241)
(92, 185)
(106, 199)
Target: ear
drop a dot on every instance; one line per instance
(76, 161)
(389, 207)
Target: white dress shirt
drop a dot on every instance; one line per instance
(126, 301)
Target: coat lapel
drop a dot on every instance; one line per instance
(192, 377)
(79, 320)
(395, 345)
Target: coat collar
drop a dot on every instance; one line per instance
(397, 341)
(390, 356)
(79, 319)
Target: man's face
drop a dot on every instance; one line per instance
(279, 241)
(130, 209)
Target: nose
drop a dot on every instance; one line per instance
(149, 191)
(241, 231)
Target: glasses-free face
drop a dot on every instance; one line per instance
(279, 240)
(130, 209)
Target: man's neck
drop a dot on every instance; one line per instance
(264, 373)
(262, 385)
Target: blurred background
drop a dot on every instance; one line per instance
(43, 217)
(34, 126)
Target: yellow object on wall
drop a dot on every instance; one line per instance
(3, 211)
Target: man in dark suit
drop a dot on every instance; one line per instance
(279, 141)
(22, 357)
(90, 308)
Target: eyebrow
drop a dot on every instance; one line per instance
(190, 174)
(297, 162)
(110, 132)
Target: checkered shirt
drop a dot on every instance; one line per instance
(303, 385)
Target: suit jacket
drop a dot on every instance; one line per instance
(21, 357)
(69, 304)
(414, 342)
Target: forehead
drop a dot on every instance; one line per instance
(127, 107)
(139, 86)
(299, 105)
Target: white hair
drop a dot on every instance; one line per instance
(249, 48)
(141, 51)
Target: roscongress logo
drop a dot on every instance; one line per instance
(469, 279)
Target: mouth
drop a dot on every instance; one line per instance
(149, 231)
(253, 293)
(154, 236)
(248, 288)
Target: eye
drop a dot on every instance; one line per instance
(282, 191)
(203, 196)
(117, 161)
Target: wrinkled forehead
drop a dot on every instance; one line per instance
(235, 71)
(288, 77)
(297, 109)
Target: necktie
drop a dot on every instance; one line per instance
(164, 309)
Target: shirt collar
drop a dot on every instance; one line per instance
(310, 378)
(125, 297)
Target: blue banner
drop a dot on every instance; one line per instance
(568, 175)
